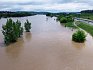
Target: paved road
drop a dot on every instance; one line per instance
(84, 20)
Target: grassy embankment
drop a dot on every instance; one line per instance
(87, 27)
(70, 23)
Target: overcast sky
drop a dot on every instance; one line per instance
(46, 5)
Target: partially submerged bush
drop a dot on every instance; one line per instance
(19, 28)
(27, 26)
(11, 31)
(79, 36)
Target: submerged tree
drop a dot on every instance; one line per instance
(19, 28)
(27, 26)
(11, 31)
(79, 36)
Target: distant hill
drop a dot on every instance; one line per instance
(87, 11)
(6, 14)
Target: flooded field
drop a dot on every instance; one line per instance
(49, 46)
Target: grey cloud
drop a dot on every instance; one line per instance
(17, 6)
(90, 2)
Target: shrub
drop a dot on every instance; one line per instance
(11, 31)
(69, 19)
(63, 20)
(27, 26)
(79, 36)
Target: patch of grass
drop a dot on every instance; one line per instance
(87, 27)
(85, 16)
(70, 24)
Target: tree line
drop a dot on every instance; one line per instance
(6, 14)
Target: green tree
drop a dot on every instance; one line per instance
(19, 28)
(11, 31)
(27, 26)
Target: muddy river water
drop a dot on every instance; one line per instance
(47, 47)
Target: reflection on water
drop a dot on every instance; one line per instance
(15, 49)
(48, 46)
(28, 36)
(78, 45)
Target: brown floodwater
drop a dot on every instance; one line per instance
(47, 47)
